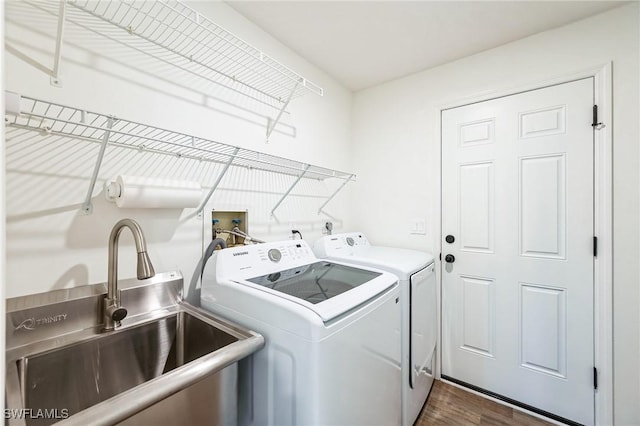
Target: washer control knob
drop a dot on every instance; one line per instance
(350, 241)
(274, 255)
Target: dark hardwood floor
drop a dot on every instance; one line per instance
(452, 406)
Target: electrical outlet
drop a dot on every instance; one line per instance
(327, 228)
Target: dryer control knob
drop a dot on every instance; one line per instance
(350, 241)
(274, 255)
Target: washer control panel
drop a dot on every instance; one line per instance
(283, 253)
(354, 239)
(264, 259)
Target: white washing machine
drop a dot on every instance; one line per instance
(415, 271)
(332, 335)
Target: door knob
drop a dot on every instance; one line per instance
(449, 258)
(450, 239)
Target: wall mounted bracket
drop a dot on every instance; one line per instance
(306, 168)
(55, 72)
(87, 207)
(218, 180)
(271, 124)
(346, 181)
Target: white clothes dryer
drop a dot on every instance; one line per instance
(332, 335)
(415, 271)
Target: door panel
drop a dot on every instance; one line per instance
(477, 315)
(517, 194)
(543, 329)
(476, 206)
(543, 206)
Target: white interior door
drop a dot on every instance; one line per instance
(517, 198)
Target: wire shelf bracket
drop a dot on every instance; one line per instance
(286, 194)
(217, 182)
(87, 206)
(271, 124)
(55, 79)
(346, 181)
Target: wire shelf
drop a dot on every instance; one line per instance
(53, 118)
(198, 42)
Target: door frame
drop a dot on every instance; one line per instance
(603, 224)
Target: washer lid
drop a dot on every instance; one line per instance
(401, 262)
(329, 289)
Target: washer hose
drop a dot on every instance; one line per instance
(193, 293)
(209, 251)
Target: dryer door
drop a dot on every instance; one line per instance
(422, 327)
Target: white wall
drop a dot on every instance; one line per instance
(51, 244)
(397, 154)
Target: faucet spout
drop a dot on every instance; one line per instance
(113, 312)
(145, 268)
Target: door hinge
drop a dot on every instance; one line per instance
(595, 378)
(440, 257)
(595, 246)
(597, 125)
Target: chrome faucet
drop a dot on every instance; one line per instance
(113, 312)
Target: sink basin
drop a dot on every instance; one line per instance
(154, 370)
(81, 375)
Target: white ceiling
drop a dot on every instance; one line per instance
(365, 43)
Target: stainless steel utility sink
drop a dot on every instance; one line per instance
(142, 371)
(79, 376)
